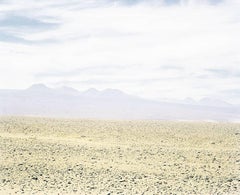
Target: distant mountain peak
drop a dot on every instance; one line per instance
(92, 90)
(112, 91)
(38, 86)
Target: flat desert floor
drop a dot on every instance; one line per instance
(63, 156)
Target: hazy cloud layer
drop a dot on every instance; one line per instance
(155, 49)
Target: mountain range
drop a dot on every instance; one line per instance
(40, 100)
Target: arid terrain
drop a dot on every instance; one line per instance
(51, 156)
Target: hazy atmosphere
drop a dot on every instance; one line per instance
(119, 97)
(166, 49)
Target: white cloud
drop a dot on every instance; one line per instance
(139, 41)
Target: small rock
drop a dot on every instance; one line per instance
(230, 180)
(34, 178)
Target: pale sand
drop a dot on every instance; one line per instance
(60, 156)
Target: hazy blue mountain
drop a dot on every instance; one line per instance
(40, 100)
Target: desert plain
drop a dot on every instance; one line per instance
(73, 156)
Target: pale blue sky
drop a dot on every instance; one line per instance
(155, 49)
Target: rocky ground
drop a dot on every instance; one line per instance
(61, 156)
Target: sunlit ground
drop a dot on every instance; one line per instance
(42, 155)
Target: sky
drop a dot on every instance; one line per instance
(155, 49)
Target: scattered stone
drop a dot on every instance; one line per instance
(34, 178)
